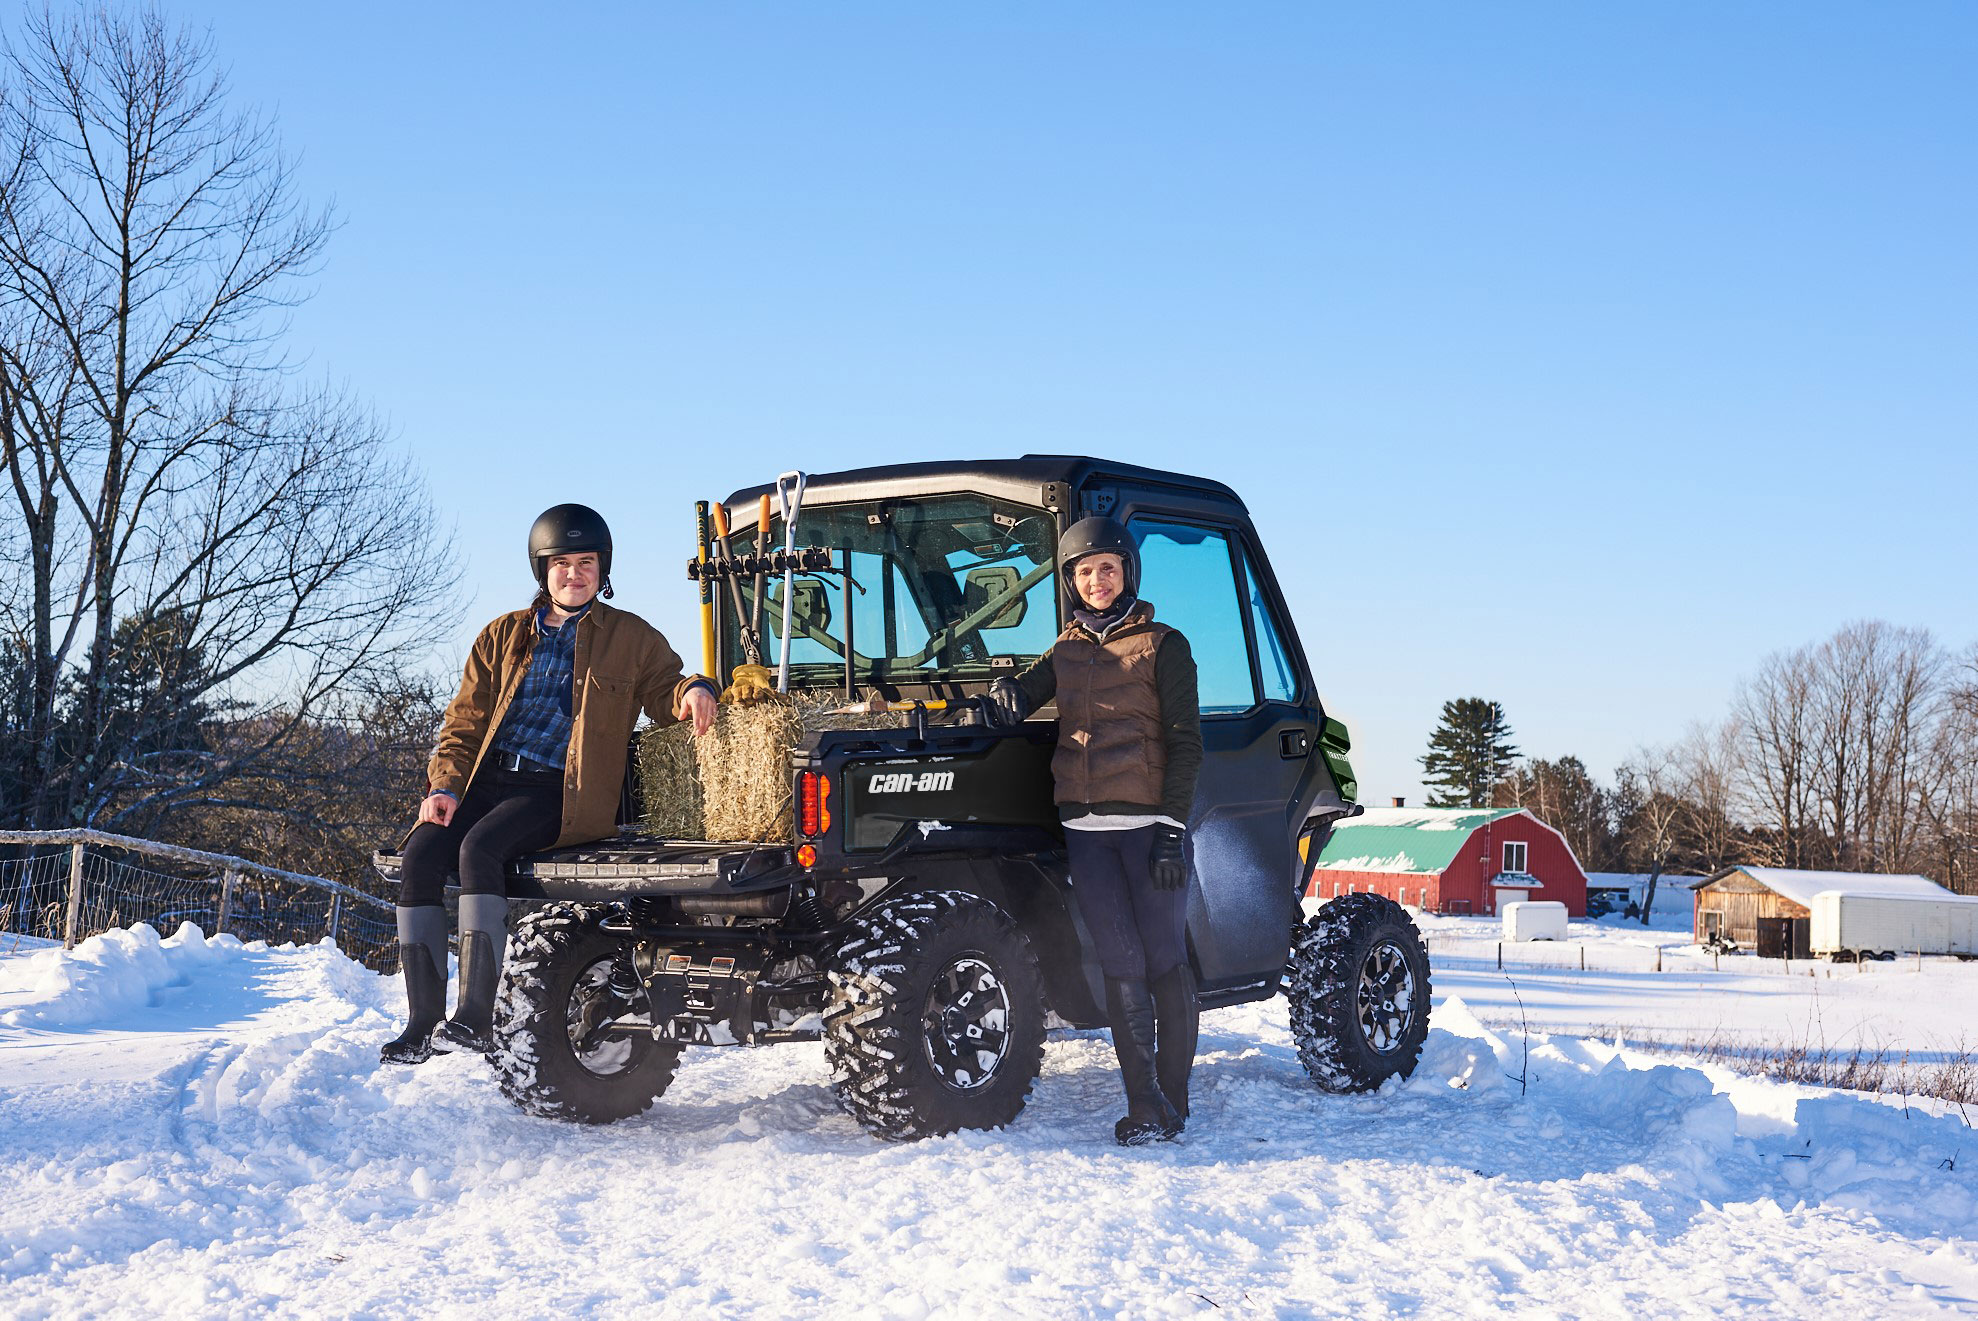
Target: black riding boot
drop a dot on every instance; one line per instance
(422, 960)
(483, 941)
(1177, 1018)
(1130, 1004)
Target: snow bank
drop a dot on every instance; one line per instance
(260, 1161)
(106, 976)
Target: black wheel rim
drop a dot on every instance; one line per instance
(1386, 1002)
(965, 1024)
(593, 1007)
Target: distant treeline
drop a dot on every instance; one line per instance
(1859, 753)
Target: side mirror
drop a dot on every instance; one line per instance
(992, 582)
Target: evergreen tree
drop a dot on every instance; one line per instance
(1468, 754)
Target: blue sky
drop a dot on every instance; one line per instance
(1571, 355)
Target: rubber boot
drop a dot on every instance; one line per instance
(422, 961)
(1177, 1020)
(1130, 1004)
(483, 942)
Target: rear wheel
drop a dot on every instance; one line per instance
(556, 1052)
(1358, 983)
(936, 1019)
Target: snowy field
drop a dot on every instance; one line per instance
(197, 1127)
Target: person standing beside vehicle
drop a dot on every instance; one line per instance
(531, 755)
(1129, 750)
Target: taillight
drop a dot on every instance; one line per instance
(813, 804)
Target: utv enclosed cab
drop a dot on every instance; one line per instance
(918, 915)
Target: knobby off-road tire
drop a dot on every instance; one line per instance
(936, 1019)
(1358, 983)
(555, 991)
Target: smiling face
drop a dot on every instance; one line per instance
(1098, 579)
(573, 579)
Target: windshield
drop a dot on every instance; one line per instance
(944, 588)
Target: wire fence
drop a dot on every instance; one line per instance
(1618, 956)
(69, 885)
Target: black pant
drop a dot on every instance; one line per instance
(504, 815)
(1139, 932)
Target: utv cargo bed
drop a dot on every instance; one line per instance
(634, 864)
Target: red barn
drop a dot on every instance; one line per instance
(1450, 859)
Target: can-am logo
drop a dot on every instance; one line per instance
(907, 782)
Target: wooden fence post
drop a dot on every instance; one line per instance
(1658, 958)
(75, 897)
(336, 913)
(227, 884)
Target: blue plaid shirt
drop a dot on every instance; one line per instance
(538, 721)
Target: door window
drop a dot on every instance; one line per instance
(1187, 573)
(1280, 680)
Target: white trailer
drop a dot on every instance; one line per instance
(1534, 919)
(1853, 925)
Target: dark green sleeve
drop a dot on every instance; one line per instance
(1039, 683)
(1181, 724)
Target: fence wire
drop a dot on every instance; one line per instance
(120, 888)
(34, 894)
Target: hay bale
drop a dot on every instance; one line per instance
(733, 783)
(670, 783)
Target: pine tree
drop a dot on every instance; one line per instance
(1468, 754)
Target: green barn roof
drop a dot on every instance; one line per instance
(1405, 840)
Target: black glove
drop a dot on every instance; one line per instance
(1167, 861)
(1006, 704)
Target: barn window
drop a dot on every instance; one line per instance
(1514, 857)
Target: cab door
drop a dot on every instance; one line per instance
(1259, 731)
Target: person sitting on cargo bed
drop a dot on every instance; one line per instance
(531, 756)
(1129, 749)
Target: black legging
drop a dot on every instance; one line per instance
(1139, 932)
(504, 815)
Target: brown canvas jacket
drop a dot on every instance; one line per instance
(622, 665)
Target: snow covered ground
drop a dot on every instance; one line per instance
(197, 1127)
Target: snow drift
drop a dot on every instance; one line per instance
(192, 1125)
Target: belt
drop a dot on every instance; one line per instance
(515, 761)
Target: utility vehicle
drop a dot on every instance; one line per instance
(918, 917)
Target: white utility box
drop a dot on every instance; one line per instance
(1855, 924)
(1534, 919)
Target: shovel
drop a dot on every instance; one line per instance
(790, 496)
(749, 682)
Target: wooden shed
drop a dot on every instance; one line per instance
(1769, 909)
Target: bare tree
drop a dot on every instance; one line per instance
(1652, 815)
(199, 533)
(1775, 710)
(1707, 766)
(1950, 806)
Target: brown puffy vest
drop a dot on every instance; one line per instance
(1111, 747)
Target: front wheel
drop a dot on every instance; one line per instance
(560, 1045)
(1358, 983)
(936, 1020)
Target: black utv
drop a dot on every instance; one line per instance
(918, 916)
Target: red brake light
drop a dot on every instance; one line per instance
(810, 804)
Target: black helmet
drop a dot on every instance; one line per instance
(1099, 535)
(569, 530)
